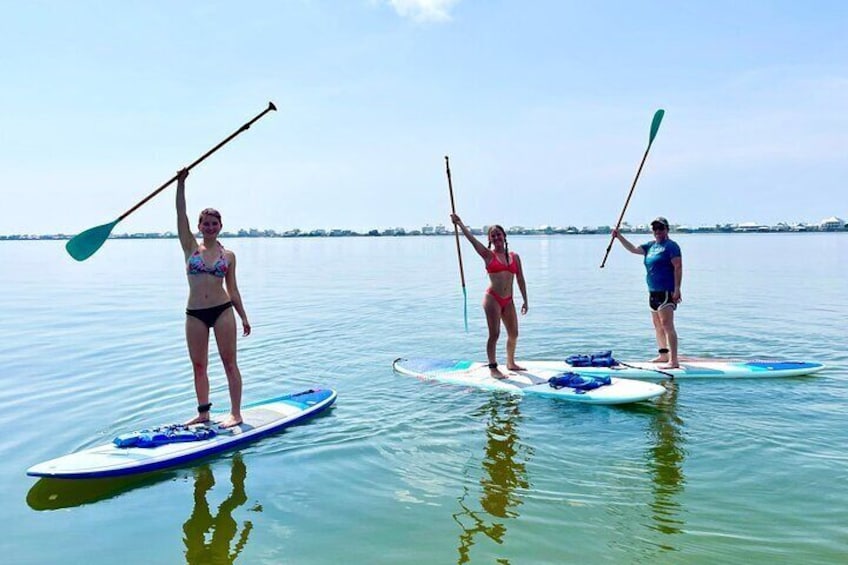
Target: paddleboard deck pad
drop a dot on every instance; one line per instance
(693, 368)
(260, 419)
(534, 380)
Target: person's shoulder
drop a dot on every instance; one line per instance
(674, 247)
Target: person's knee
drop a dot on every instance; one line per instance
(230, 365)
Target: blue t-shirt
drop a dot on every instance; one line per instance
(658, 258)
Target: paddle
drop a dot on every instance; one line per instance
(655, 126)
(458, 252)
(83, 245)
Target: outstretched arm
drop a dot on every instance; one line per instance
(183, 227)
(481, 249)
(627, 245)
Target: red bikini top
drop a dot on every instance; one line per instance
(496, 266)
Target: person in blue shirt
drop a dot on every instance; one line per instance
(664, 265)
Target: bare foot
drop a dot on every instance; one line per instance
(201, 418)
(515, 367)
(496, 374)
(230, 422)
(670, 366)
(660, 359)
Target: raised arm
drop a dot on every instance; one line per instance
(481, 249)
(627, 245)
(187, 240)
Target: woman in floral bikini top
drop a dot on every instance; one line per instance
(213, 295)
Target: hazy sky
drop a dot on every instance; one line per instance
(544, 107)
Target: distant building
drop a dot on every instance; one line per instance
(832, 224)
(750, 227)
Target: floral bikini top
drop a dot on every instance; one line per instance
(197, 266)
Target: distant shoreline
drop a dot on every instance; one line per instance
(399, 232)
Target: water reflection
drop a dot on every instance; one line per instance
(665, 462)
(55, 494)
(504, 473)
(220, 529)
(208, 538)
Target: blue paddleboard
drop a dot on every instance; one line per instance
(157, 452)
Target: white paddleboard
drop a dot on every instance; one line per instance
(260, 419)
(691, 368)
(532, 381)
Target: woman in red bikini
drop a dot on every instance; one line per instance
(503, 268)
(213, 294)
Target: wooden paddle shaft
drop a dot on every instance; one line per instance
(455, 229)
(198, 161)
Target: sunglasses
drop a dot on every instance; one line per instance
(658, 228)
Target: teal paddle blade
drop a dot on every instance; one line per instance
(655, 125)
(83, 245)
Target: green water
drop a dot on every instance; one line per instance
(402, 471)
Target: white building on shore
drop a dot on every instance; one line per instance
(832, 224)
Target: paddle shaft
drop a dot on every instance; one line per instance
(626, 203)
(198, 161)
(655, 126)
(455, 228)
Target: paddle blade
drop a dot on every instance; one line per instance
(655, 125)
(83, 245)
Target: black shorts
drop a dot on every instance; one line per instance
(659, 299)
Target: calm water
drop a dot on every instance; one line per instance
(402, 471)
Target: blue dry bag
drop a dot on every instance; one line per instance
(162, 435)
(599, 359)
(580, 383)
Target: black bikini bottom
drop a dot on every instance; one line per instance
(209, 315)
